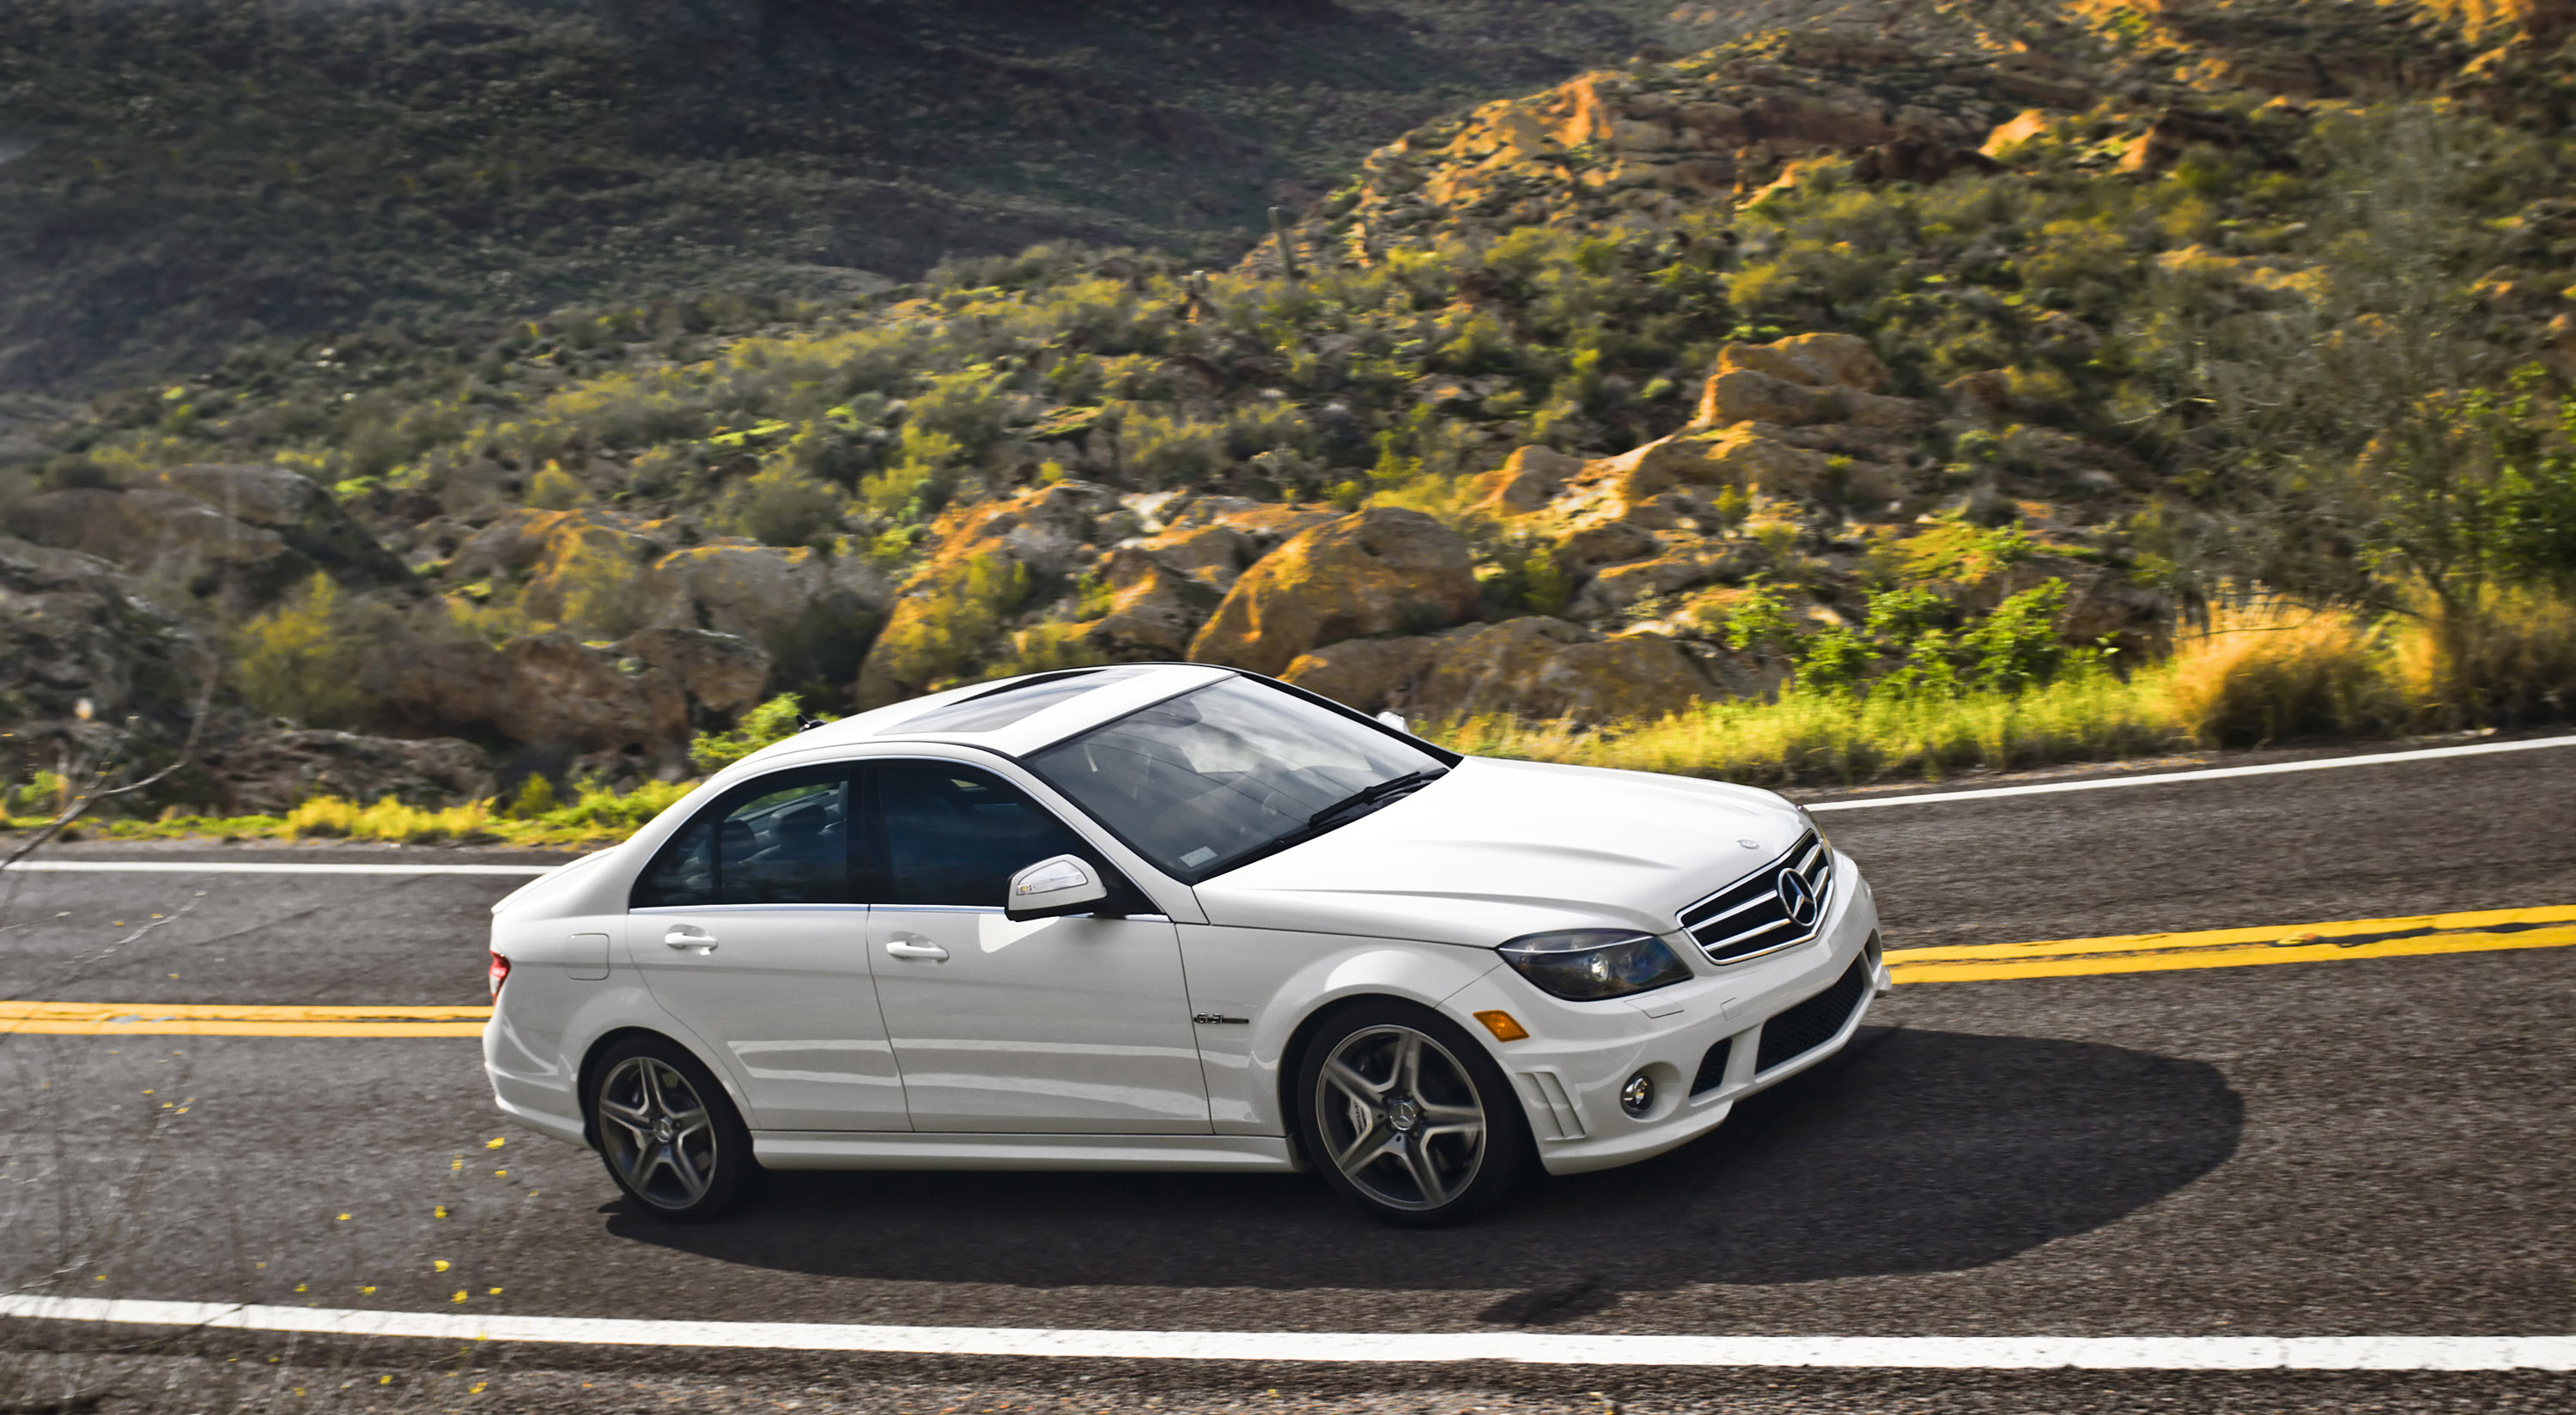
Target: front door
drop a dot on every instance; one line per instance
(746, 927)
(1077, 1025)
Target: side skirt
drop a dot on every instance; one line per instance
(829, 1149)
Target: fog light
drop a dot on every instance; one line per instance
(1638, 1096)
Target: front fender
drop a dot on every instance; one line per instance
(1256, 990)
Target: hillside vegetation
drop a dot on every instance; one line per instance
(1965, 390)
(179, 176)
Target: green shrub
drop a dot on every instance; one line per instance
(779, 505)
(303, 660)
(555, 489)
(773, 721)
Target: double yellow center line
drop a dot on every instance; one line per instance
(2240, 948)
(2060, 958)
(223, 1019)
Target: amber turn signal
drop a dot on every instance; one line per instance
(1503, 1025)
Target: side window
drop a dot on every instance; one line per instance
(684, 874)
(956, 835)
(780, 841)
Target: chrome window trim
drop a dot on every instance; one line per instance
(742, 908)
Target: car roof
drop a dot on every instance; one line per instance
(1019, 715)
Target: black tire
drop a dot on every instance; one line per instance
(669, 1135)
(1398, 1147)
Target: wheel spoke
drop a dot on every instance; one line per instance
(624, 1114)
(1408, 1065)
(652, 1076)
(1357, 1086)
(1435, 1112)
(1374, 1139)
(1426, 1174)
(690, 1179)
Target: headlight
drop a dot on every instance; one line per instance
(1586, 965)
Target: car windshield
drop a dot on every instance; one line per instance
(1213, 778)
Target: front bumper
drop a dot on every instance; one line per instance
(1570, 1070)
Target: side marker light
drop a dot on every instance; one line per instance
(1504, 1026)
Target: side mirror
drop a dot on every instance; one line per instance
(1394, 720)
(1055, 887)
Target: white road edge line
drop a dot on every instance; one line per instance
(247, 867)
(2222, 773)
(2101, 1353)
(2044, 788)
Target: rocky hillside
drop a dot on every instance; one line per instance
(179, 176)
(1939, 354)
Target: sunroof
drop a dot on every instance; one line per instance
(990, 712)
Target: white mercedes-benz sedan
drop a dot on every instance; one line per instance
(1170, 917)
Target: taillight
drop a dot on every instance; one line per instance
(500, 973)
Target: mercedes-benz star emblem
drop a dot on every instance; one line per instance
(1798, 898)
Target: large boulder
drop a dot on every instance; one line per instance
(241, 535)
(1156, 605)
(1384, 570)
(1816, 360)
(299, 510)
(1616, 587)
(269, 773)
(985, 560)
(1745, 395)
(737, 587)
(1214, 554)
(1547, 669)
(1264, 525)
(175, 539)
(644, 696)
(722, 674)
(564, 693)
(1528, 480)
(74, 631)
(1371, 675)
(1804, 380)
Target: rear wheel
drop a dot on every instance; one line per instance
(1407, 1117)
(671, 1138)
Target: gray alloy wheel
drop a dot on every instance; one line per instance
(670, 1137)
(1405, 1120)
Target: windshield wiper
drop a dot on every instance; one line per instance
(1371, 797)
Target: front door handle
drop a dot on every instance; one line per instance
(684, 936)
(915, 946)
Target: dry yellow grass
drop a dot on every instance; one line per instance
(1840, 737)
(2271, 670)
(2514, 660)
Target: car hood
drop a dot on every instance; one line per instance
(1497, 849)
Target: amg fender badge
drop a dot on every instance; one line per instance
(1211, 1019)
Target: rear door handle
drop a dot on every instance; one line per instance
(684, 936)
(915, 946)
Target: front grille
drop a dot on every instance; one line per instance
(1812, 1023)
(1753, 914)
(1712, 1067)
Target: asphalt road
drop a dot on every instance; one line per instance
(2352, 1148)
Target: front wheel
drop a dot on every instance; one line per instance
(1407, 1117)
(671, 1138)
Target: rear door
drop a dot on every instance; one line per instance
(748, 929)
(1076, 1025)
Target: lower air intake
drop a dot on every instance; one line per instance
(1812, 1023)
(1712, 1067)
